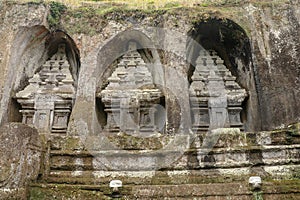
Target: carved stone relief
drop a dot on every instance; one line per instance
(130, 96)
(47, 100)
(215, 96)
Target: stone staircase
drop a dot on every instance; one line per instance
(223, 173)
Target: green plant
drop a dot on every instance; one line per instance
(172, 5)
(204, 4)
(35, 2)
(56, 9)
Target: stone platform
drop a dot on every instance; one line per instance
(77, 172)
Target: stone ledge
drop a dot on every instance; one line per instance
(233, 190)
(137, 160)
(221, 175)
(230, 138)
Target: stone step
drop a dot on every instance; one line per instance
(94, 177)
(174, 160)
(287, 189)
(235, 190)
(148, 177)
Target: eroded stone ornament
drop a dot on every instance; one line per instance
(216, 98)
(47, 100)
(130, 96)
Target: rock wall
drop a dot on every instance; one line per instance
(21, 156)
(275, 43)
(270, 73)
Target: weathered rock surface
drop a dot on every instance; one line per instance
(20, 157)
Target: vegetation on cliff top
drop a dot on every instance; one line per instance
(88, 16)
(157, 4)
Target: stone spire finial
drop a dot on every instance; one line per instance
(131, 72)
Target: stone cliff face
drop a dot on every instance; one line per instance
(275, 36)
(259, 43)
(169, 101)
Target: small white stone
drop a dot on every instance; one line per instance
(115, 184)
(77, 173)
(255, 181)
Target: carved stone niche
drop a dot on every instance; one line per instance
(215, 96)
(47, 100)
(130, 98)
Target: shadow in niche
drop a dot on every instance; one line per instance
(160, 115)
(14, 113)
(27, 53)
(60, 37)
(224, 36)
(245, 107)
(101, 114)
(231, 43)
